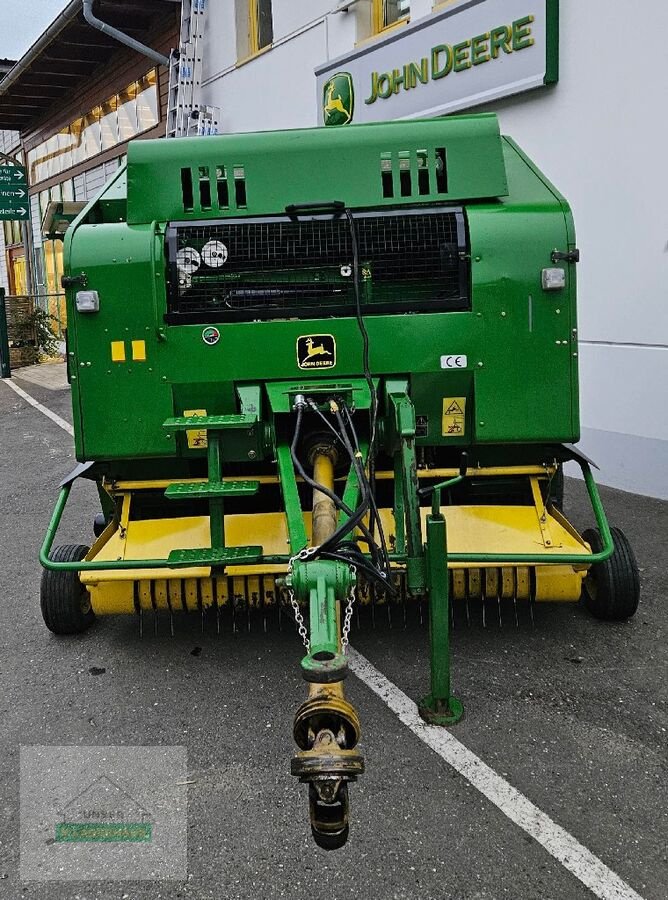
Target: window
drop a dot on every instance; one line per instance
(118, 119)
(127, 112)
(260, 25)
(12, 230)
(108, 123)
(389, 12)
(147, 101)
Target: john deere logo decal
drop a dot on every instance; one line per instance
(316, 351)
(338, 99)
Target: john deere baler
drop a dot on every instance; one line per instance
(296, 359)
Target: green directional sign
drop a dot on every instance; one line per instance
(14, 200)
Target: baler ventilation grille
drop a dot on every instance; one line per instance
(281, 267)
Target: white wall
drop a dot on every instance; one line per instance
(601, 134)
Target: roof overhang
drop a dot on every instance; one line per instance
(67, 54)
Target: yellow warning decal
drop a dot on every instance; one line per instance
(197, 436)
(139, 351)
(454, 417)
(118, 351)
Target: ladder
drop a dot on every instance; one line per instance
(185, 114)
(244, 427)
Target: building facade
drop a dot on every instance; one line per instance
(594, 125)
(69, 108)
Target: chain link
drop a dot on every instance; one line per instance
(299, 618)
(348, 615)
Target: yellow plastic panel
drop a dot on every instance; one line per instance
(139, 351)
(155, 538)
(190, 590)
(458, 584)
(160, 593)
(507, 582)
(558, 584)
(118, 351)
(523, 583)
(174, 589)
(206, 592)
(109, 598)
(475, 582)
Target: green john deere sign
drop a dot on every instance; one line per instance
(14, 200)
(462, 55)
(338, 99)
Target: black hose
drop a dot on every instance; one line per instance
(355, 517)
(372, 495)
(363, 331)
(301, 471)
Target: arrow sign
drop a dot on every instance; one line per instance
(13, 193)
(20, 193)
(15, 175)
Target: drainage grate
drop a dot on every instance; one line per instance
(247, 269)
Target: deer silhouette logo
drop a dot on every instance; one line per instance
(338, 99)
(316, 351)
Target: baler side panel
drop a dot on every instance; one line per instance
(572, 275)
(123, 393)
(525, 386)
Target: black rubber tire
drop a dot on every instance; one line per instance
(64, 600)
(611, 590)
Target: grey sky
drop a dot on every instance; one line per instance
(22, 23)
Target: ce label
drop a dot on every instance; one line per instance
(454, 361)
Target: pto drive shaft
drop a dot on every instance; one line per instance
(326, 727)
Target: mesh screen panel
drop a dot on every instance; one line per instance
(243, 270)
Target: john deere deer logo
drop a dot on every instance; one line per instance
(338, 99)
(316, 351)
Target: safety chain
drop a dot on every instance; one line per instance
(348, 615)
(303, 555)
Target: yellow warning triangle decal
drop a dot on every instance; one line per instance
(454, 409)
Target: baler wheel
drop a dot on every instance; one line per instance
(611, 589)
(64, 601)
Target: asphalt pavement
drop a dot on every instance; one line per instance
(572, 712)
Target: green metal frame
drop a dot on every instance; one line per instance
(439, 707)
(298, 538)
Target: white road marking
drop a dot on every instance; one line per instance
(47, 412)
(582, 863)
(566, 849)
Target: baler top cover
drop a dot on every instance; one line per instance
(260, 174)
